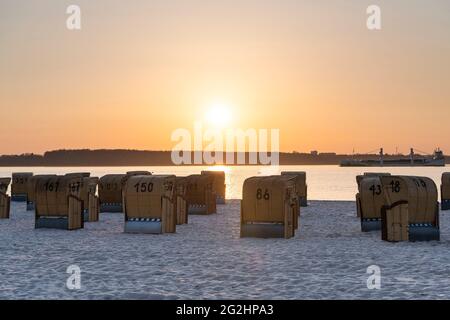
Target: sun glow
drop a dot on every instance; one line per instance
(219, 115)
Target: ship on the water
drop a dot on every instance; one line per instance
(437, 159)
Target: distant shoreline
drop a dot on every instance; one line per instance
(141, 158)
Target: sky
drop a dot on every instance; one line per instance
(138, 70)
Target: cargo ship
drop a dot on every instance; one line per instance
(437, 159)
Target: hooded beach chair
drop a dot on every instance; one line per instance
(200, 194)
(301, 186)
(445, 191)
(368, 225)
(19, 186)
(110, 192)
(370, 201)
(219, 186)
(150, 204)
(269, 207)
(5, 200)
(58, 204)
(411, 211)
(31, 189)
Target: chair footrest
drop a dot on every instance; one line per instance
(198, 209)
(19, 197)
(445, 205)
(111, 207)
(423, 232)
(139, 226)
(303, 202)
(52, 223)
(368, 225)
(262, 230)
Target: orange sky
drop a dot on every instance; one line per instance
(139, 70)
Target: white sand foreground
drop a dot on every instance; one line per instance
(206, 259)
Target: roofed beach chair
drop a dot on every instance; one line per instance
(31, 189)
(19, 186)
(5, 200)
(58, 203)
(110, 192)
(359, 178)
(370, 200)
(445, 191)
(301, 186)
(149, 203)
(269, 207)
(200, 194)
(411, 211)
(219, 186)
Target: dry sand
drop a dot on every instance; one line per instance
(206, 259)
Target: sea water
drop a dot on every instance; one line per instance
(324, 182)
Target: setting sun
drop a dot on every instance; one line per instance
(219, 115)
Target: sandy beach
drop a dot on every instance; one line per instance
(206, 259)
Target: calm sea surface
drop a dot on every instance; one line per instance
(324, 182)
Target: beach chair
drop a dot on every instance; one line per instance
(200, 195)
(359, 178)
(445, 191)
(219, 186)
(370, 200)
(181, 203)
(110, 192)
(301, 186)
(90, 200)
(5, 200)
(58, 204)
(411, 211)
(150, 204)
(31, 189)
(269, 207)
(19, 186)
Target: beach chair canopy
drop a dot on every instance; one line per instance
(264, 198)
(419, 192)
(219, 182)
(197, 187)
(445, 189)
(19, 182)
(144, 195)
(110, 188)
(53, 192)
(181, 186)
(371, 197)
(31, 185)
(359, 178)
(300, 181)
